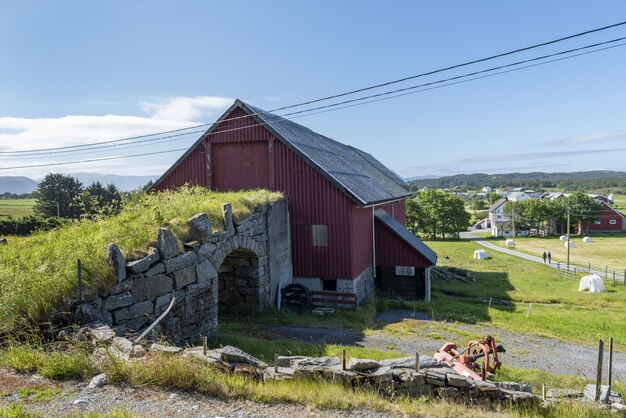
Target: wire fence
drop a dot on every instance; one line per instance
(609, 273)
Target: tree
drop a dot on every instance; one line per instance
(435, 213)
(583, 208)
(98, 200)
(58, 195)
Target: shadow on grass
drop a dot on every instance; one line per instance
(471, 302)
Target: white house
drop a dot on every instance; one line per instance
(499, 221)
(518, 196)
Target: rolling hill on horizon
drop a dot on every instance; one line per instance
(22, 184)
(582, 180)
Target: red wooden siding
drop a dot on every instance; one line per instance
(396, 209)
(605, 225)
(392, 251)
(192, 170)
(313, 200)
(239, 165)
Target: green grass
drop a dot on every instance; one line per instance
(604, 250)
(38, 273)
(559, 310)
(38, 394)
(16, 208)
(176, 372)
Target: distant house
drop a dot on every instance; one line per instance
(347, 210)
(498, 220)
(486, 189)
(608, 220)
(518, 196)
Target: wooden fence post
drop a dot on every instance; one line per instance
(599, 369)
(80, 282)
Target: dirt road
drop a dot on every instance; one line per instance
(523, 350)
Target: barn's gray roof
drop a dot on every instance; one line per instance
(355, 172)
(405, 235)
(365, 179)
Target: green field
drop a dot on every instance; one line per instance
(604, 250)
(17, 208)
(558, 311)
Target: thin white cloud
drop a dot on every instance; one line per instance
(186, 108)
(20, 134)
(526, 156)
(585, 139)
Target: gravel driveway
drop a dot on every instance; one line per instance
(523, 350)
(74, 399)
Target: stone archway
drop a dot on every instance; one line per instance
(238, 283)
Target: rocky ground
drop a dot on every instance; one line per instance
(74, 398)
(523, 350)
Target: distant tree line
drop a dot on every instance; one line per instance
(61, 198)
(577, 181)
(8, 195)
(435, 214)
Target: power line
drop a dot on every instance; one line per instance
(489, 58)
(300, 113)
(350, 103)
(94, 159)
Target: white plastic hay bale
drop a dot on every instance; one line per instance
(587, 239)
(572, 244)
(510, 242)
(593, 283)
(563, 238)
(480, 254)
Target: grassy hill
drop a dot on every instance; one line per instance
(38, 273)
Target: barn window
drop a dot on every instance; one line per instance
(597, 221)
(405, 271)
(329, 285)
(320, 235)
(613, 222)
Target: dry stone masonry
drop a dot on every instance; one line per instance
(238, 270)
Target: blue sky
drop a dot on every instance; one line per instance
(76, 72)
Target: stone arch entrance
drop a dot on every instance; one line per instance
(238, 283)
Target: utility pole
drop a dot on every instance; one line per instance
(513, 219)
(567, 239)
(58, 210)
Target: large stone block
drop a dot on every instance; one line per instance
(116, 260)
(184, 277)
(118, 301)
(147, 288)
(180, 262)
(227, 213)
(167, 245)
(205, 272)
(144, 264)
(200, 228)
(142, 308)
(156, 269)
(206, 250)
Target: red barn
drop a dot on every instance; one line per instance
(347, 210)
(608, 220)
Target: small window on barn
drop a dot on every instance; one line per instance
(598, 221)
(405, 271)
(319, 233)
(329, 285)
(613, 222)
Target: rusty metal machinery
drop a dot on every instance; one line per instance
(465, 361)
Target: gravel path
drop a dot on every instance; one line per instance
(74, 399)
(523, 350)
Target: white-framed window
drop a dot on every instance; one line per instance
(613, 222)
(319, 235)
(597, 221)
(405, 271)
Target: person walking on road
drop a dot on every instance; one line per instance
(549, 258)
(544, 256)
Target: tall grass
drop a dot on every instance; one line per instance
(38, 274)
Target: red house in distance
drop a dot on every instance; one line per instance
(347, 210)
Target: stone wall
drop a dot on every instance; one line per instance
(241, 267)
